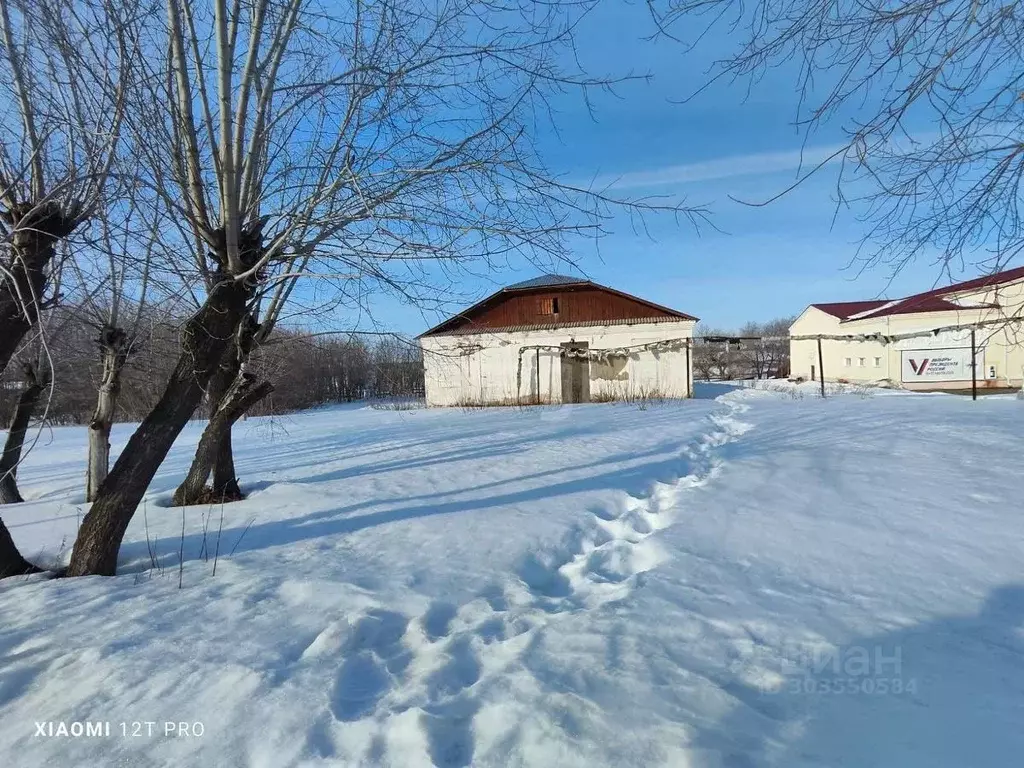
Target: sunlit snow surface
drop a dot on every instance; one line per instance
(752, 578)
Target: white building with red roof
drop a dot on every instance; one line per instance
(558, 339)
(867, 341)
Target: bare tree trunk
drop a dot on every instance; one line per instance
(207, 336)
(37, 228)
(113, 344)
(243, 393)
(221, 461)
(11, 561)
(224, 482)
(27, 403)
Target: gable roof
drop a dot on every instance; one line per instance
(540, 283)
(935, 300)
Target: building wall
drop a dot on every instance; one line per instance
(480, 368)
(1001, 347)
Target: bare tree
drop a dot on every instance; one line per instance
(37, 376)
(881, 70)
(245, 391)
(232, 391)
(765, 349)
(711, 353)
(123, 262)
(360, 143)
(393, 367)
(115, 346)
(77, 370)
(397, 368)
(64, 68)
(310, 369)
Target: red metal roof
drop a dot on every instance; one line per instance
(985, 281)
(935, 300)
(843, 309)
(918, 303)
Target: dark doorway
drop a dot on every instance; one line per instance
(575, 374)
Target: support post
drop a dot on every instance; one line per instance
(689, 372)
(974, 367)
(519, 376)
(821, 368)
(538, 375)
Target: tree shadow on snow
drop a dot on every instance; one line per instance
(471, 448)
(947, 692)
(635, 479)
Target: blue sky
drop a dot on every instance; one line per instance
(766, 262)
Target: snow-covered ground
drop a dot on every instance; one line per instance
(753, 578)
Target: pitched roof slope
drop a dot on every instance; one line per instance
(910, 305)
(985, 281)
(539, 283)
(935, 300)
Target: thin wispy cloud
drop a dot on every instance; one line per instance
(758, 164)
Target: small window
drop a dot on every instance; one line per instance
(860, 362)
(549, 306)
(847, 362)
(878, 362)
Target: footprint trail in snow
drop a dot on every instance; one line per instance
(413, 679)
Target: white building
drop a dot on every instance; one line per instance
(558, 339)
(994, 304)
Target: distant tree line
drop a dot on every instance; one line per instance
(755, 351)
(312, 370)
(307, 370)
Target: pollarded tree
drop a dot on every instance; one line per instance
(233, 389)
(116, 277)
(64, 67)
(364, 139)
(236, 386)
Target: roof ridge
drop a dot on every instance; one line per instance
(936, 296)
(546, 279)
(983, 281)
